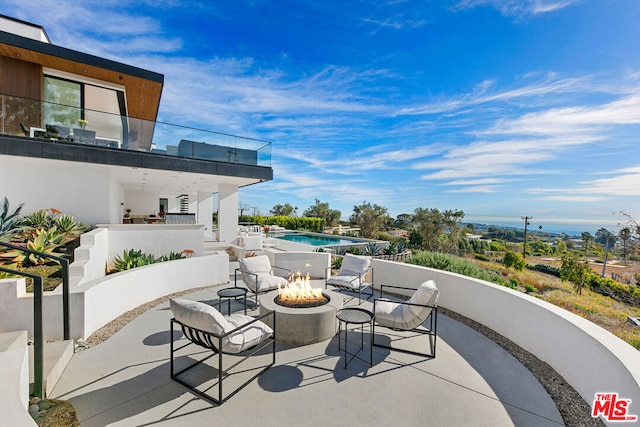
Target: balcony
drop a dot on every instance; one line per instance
(65, 124)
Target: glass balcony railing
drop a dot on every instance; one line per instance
(57, 122)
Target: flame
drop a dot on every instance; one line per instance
(299, 290)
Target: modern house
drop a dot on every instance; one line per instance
(79, 133)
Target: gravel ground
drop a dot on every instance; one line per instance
(573, 409)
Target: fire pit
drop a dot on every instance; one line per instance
(305, 319)
(298, 293)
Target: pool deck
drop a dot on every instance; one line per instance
(472, 382)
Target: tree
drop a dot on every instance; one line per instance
(437, 231)
(321, 210)
(587, 238)
(625, 236)
(574, 270)
(514, 260)
(284, 210)
(403, 221)
(608, 239)
(370, 218)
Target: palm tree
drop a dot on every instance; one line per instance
(625, 235)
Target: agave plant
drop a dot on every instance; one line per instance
(10, 222)
(39, 219)
(128, 260)
(372, 249)
(40, 240)
(172, 256)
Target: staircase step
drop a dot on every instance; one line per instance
(57, 356)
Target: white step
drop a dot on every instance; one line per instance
(57, 356)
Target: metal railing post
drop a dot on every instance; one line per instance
(66, 327)
(38, 335)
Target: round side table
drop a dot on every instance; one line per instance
(356, 316)
(232, 293)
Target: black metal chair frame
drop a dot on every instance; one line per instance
(213, 342)
(239, 269)
(431, 331)
(361, 280)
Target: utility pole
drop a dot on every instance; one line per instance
(606, 252)
(524, 246)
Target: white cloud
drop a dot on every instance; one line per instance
(517, 8)
(574, 199)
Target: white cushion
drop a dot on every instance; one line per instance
(352, 265)
(256, 264)
(246, 337)
(260, 278)
(204, 317)
(404, 316)
(352, 282)
(199, 315)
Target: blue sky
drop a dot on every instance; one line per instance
(500, 108)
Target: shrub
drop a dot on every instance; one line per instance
(530, 289)
(514, 260)
(543, 268)
(449, 263)
(481, 257)
(629, 294)
(514, 283)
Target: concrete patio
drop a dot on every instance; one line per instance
(472, 382)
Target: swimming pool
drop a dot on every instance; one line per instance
(318, 239)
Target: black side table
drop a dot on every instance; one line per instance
(232, 293)
(356, 316)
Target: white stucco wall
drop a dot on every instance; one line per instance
(94, 304)
(590, 358)
(87, 199)
(141, 203)
(156, 239)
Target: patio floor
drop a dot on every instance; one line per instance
(472, 382)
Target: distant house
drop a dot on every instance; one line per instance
(79, 133)
(399, 233)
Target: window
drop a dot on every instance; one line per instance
(68, 101)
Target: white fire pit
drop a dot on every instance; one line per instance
(303, 325)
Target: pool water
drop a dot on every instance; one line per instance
(315, 240)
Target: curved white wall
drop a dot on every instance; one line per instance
(97, 302)
(314, 263)
(590, 358)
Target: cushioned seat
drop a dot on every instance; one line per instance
(206, 327)
(352, 274)
(257, 275)
(206, 318)
(411, 314)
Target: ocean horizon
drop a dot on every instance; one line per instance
(572, 227)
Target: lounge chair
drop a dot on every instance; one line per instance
(352, 275)
(409, 315)
(236, 334)
(257, 275)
